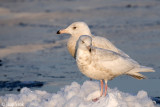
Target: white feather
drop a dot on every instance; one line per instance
(103, 64)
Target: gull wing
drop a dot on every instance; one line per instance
(108, 60)
(104, 43)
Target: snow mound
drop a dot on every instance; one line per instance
(76, 95)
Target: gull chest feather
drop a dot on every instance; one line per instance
(83, 60)
(71, 45)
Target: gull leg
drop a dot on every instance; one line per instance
(105, 88)
(101, 88)
(94, 100)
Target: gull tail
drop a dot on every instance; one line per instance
(135, 72)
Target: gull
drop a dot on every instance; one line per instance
(103, 64)
(77, 29)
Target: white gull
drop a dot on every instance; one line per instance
(77, 29)
(102, 64)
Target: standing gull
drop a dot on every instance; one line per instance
(103, 64)
(77, 29)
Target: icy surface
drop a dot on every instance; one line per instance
(76, 95)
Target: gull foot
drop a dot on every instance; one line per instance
(96, 99)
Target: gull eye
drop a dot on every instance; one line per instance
(74, 28)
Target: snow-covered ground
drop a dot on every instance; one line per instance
(33, 56)
(75, 95)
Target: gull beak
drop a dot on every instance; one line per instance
(89, 48)
(62, 31)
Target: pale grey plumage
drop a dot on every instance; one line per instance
(103, 64)
(77, 29)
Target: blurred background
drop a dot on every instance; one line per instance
(33, 55)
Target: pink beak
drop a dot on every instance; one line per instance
(62, 31)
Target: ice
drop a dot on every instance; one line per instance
(76, 95)
(27, 48)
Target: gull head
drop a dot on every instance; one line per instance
(85, 42)
(76, 29)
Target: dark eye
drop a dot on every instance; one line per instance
(74, 27)
(82, 41)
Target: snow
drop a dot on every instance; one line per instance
(76, 95)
